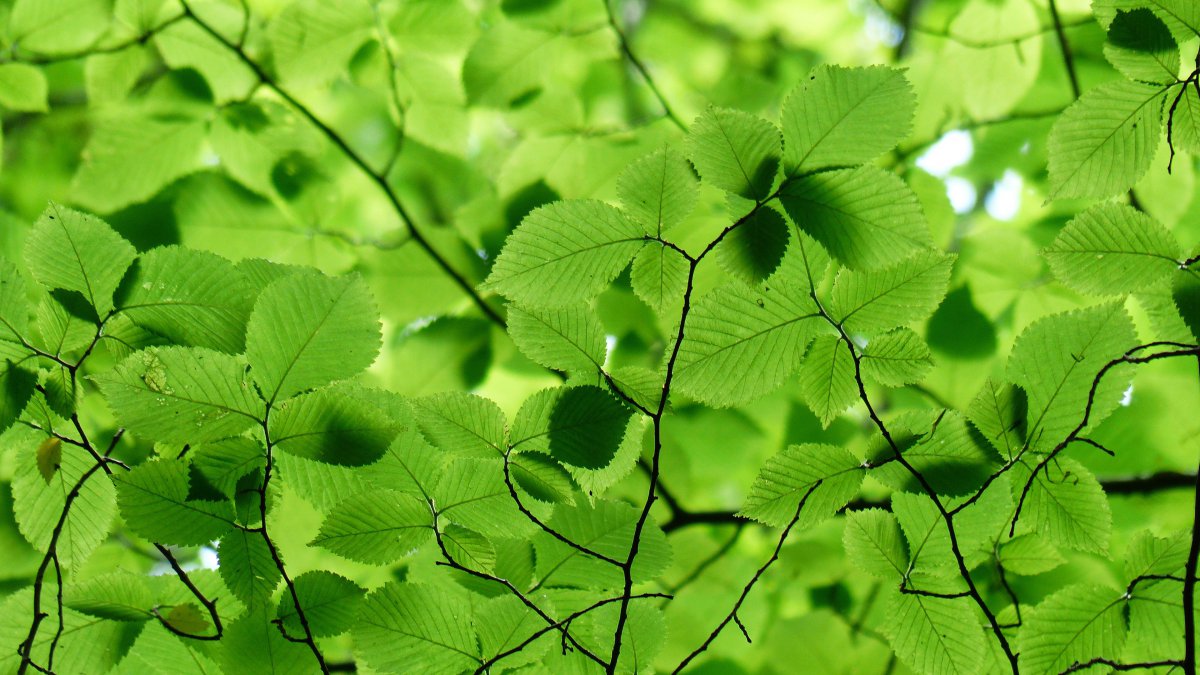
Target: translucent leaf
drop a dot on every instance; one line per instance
(130, 158)
(43, 26)
(189, 297)
(155, 647)
(845, 116)
(472, 493)
(949, 453)
(186, 45)
(330, 602)
(1076, 624)
(606, 527)
(996, 54)
(1029, 554)
(16, 388)
(469, 548)
(332, 426)
(417, 628)
(658, 191)
(542, 477)
(410, 465)
(568, 338)
(999, 411)
(864, 217)
(253, 645)
(154, 504)
(1066, 505)
(14, 311)
(451, 353)
(1113, 249)
(897, 358)
(1105, 141)
(580, 426)
(659, 277)
(735, 151)
(875, 300)
(508, 62)
(504, 623)
(788, 476)
(109, 77)
(462, 424)
(875, 544)
(935, 635)
(1056, 359)
(76, 252)
(564, 253)
(22, 88)
(223, 463)
(247, 567)
(37, 505)
(307, 330)
(181, 394)
(754, 250)
(1185, 125)
(313, 41)
(827, 378)
(253, 138)
(1141, 47)
(377, 527)
(741, 343)
(88, 643)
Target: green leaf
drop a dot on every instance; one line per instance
(1113, 249)
(1105, 141)
(568, 338)
(1076, 624)
(949, 453)
(472, 493)
(606, 527)
(876, 300)
(874, 543)
(1029, 554)
(189, 297)
(252, 139)
(154, 503)
(658, 191)
(22, 88)
(307, 330)
(312, 41)
(935, 635)
(897, 358)
(864, 217)
(543, 478)
(248, 568)
(579, 426)
(252, 644)
(1056, 359)
(1141, 47)
(788, 476)
(754, 250)
(469, 548)
(44, 27)
(462, 424)
(410, 465)
(155, 647)
(508, 63)
(14, 311)
(845, 116)
(735, 151)
(130, 158)
(331, 604)
(377, 527)
(76, 252)
(564, 253)
(16, 388)
(332, 426)
(827, 381)
(505, 623)
(181, 394)
(223, 463)
(998, 411)
(1066, 504)
(659, 276)
(416, 628)
(741, 343)
(38, 504)
(185, 45)
(120, 596)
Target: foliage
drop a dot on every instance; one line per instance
(558, 336)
